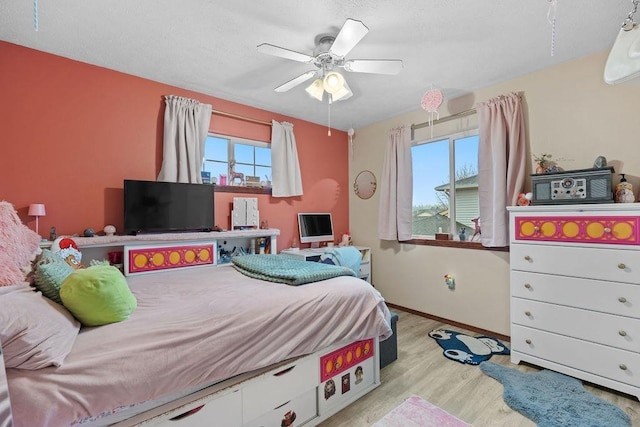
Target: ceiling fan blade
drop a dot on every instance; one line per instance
(350, 34)
(270, 49)
(295, 82)
(376, 66)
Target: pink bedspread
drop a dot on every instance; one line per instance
(193, 327)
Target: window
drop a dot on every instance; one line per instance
(251, 158)
(445, 186)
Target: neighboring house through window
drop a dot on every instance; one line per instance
(438, 205)
(224, 154)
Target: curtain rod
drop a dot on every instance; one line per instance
(442, 120)
(445, 119)
(236, 116)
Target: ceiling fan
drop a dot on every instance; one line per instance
(328, 55)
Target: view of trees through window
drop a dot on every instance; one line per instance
(445, 186)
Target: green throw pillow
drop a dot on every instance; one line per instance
(98, 295)
(49, 273)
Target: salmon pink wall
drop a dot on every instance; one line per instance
(72, 132)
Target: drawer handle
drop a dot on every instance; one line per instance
(527, 258)
(527, 285)
(622, 299)
(536, 228)
(607, 230)
(280, 406)
(528, 341)
(621, 266)
(622, 333)
(284, 371)
(186, 414)
(623, 366)
(527, 313)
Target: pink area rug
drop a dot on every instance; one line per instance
(416, 412)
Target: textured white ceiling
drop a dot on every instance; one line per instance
(209, 46)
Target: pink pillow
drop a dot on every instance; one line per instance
(35, 332)
(19, 243)
(9, 273)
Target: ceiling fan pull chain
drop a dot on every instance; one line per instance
(629, 24)
(35, 15)
(329, 125)
(551, 17)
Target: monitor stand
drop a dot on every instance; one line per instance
(315, 245)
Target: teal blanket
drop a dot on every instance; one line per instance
(288, 270)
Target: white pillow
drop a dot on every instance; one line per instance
(35, 332)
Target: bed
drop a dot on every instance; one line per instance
(212, 334)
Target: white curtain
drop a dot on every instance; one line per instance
(186, 124)
(501, 164)
(285, 167)
(396, 187)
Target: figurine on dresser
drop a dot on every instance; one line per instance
(624, 191)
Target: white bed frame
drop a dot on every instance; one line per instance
(269, 396)
(265, 397)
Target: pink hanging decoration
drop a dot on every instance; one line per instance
(431, 101)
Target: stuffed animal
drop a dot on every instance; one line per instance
(68, 250)
(524, 199)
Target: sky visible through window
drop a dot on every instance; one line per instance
(431, 166)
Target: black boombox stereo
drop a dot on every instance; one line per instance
(578, 186)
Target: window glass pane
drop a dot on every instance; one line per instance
(466, 176)
(216, 169)
(430, 188)
(263, 156)
(243, 153)
(264, 173)
(247, 170)
(216, 148)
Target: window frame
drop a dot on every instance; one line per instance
(231, 141)
(430, 240)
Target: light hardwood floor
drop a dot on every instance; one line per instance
(461, 390)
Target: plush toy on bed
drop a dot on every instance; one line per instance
(67, 248)
(98, 295)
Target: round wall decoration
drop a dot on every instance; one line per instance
(432, 100)
(365, 184)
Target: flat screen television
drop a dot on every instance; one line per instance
(315, 228)
(161, 207)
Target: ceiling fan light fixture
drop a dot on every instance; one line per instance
(316, 89)
(333, 82)
(342, 94)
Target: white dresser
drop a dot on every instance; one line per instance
(575, 291)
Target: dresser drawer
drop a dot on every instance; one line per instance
(618, 265)
(607, 329)
(275, 388)
(592, 229)
(615, 364)
(608, 297)
(225, 410)
(293, 413)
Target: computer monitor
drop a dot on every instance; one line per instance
(315, 228)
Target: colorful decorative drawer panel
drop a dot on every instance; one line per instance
(624, 230)
(155, 258)
(345, 358)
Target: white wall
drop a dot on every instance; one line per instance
(569, 112)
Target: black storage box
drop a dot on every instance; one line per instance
(389, 347)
